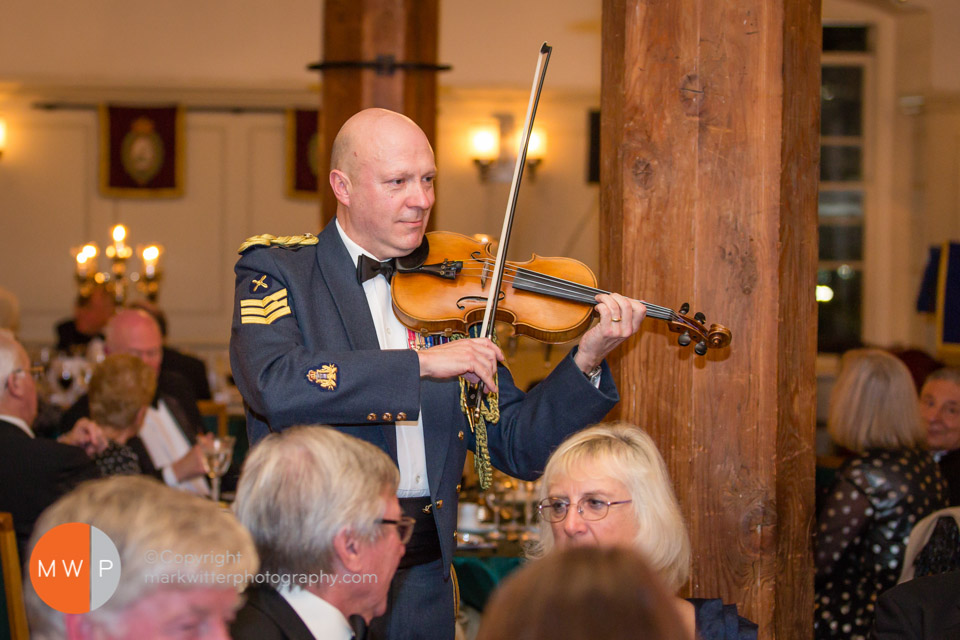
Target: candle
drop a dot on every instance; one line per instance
(151, 256)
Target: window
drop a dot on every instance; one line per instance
(843, 197)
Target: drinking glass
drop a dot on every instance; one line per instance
(217, 455)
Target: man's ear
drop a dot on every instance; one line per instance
(349, 549)
(340, 184)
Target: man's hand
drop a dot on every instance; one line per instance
(191, 465)
(473, 358)
(87, 435)
(620, 318)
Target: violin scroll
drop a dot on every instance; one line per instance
(716, 337)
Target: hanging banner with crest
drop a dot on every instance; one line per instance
(141, 151)
(303, 140)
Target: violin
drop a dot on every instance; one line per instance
(444, 286)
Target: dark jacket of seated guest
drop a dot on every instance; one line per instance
(34, 473)
(925, 608)
(267, 616)
(193, 370)
(949, 464)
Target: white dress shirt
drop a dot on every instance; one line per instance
(165, 442)
(411, 455)
(18, 422)
(321, 618)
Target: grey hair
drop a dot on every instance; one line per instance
(300, 487)
(628, 454)
(9, 358)
(947, 373)
(154, 528)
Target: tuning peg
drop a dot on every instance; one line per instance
(684, 308)
(684, 339)
(699, 317)
(700, 348)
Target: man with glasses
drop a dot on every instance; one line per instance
(34, 472)
(323, 510)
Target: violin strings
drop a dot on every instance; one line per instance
(558, 287)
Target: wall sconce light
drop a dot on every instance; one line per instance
(3, 136)
(494, 146)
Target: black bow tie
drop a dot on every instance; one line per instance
(359, 626)
(368, 267)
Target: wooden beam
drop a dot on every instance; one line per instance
(710, 134)
(365, 31)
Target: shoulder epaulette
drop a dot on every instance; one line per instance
(267, 240)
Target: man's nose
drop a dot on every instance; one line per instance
(422, 196)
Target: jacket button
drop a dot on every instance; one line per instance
(458, 488)
(460, 435)
(439, 504)
(371, 417)
(401, 416)
(454, 535)
(388, 417)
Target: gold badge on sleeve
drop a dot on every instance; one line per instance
(325, 376)
(264, 310)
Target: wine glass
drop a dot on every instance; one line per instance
(217, 455)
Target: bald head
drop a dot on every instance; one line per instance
(135, 332)
(382, 172)
(359, 135)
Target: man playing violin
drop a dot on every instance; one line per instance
(315, 340)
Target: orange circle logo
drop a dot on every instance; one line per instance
(75, 568)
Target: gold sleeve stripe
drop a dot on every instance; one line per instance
(257, 311)
(267, 320)
(263, 302)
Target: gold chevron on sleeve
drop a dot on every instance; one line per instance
(264, 310)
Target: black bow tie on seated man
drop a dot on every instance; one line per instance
(368, 267)
(359, 626)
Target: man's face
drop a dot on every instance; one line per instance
(137, 337)
(381, 558)
(391, 190)
(26, 386)
(940, 409)
(179, 614)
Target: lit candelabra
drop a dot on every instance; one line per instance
(118, 279)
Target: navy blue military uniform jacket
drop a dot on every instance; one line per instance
(304, 350)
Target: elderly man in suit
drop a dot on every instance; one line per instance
(35, 471)
(339, 495)
(940, 410)
(315, 340)
(182, 561)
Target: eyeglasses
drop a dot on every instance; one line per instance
(404, 527)
(35, 371)
(589, 508)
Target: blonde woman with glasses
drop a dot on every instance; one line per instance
(607, 486)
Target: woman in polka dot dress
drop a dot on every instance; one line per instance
(878, 495)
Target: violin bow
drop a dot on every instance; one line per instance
(472, 396)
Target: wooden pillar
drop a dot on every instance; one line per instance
(710, 125)
(401, 31)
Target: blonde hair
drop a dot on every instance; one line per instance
(302, 486)
(121, 385)
(152, 527)
(630, 456)
(874, 403)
